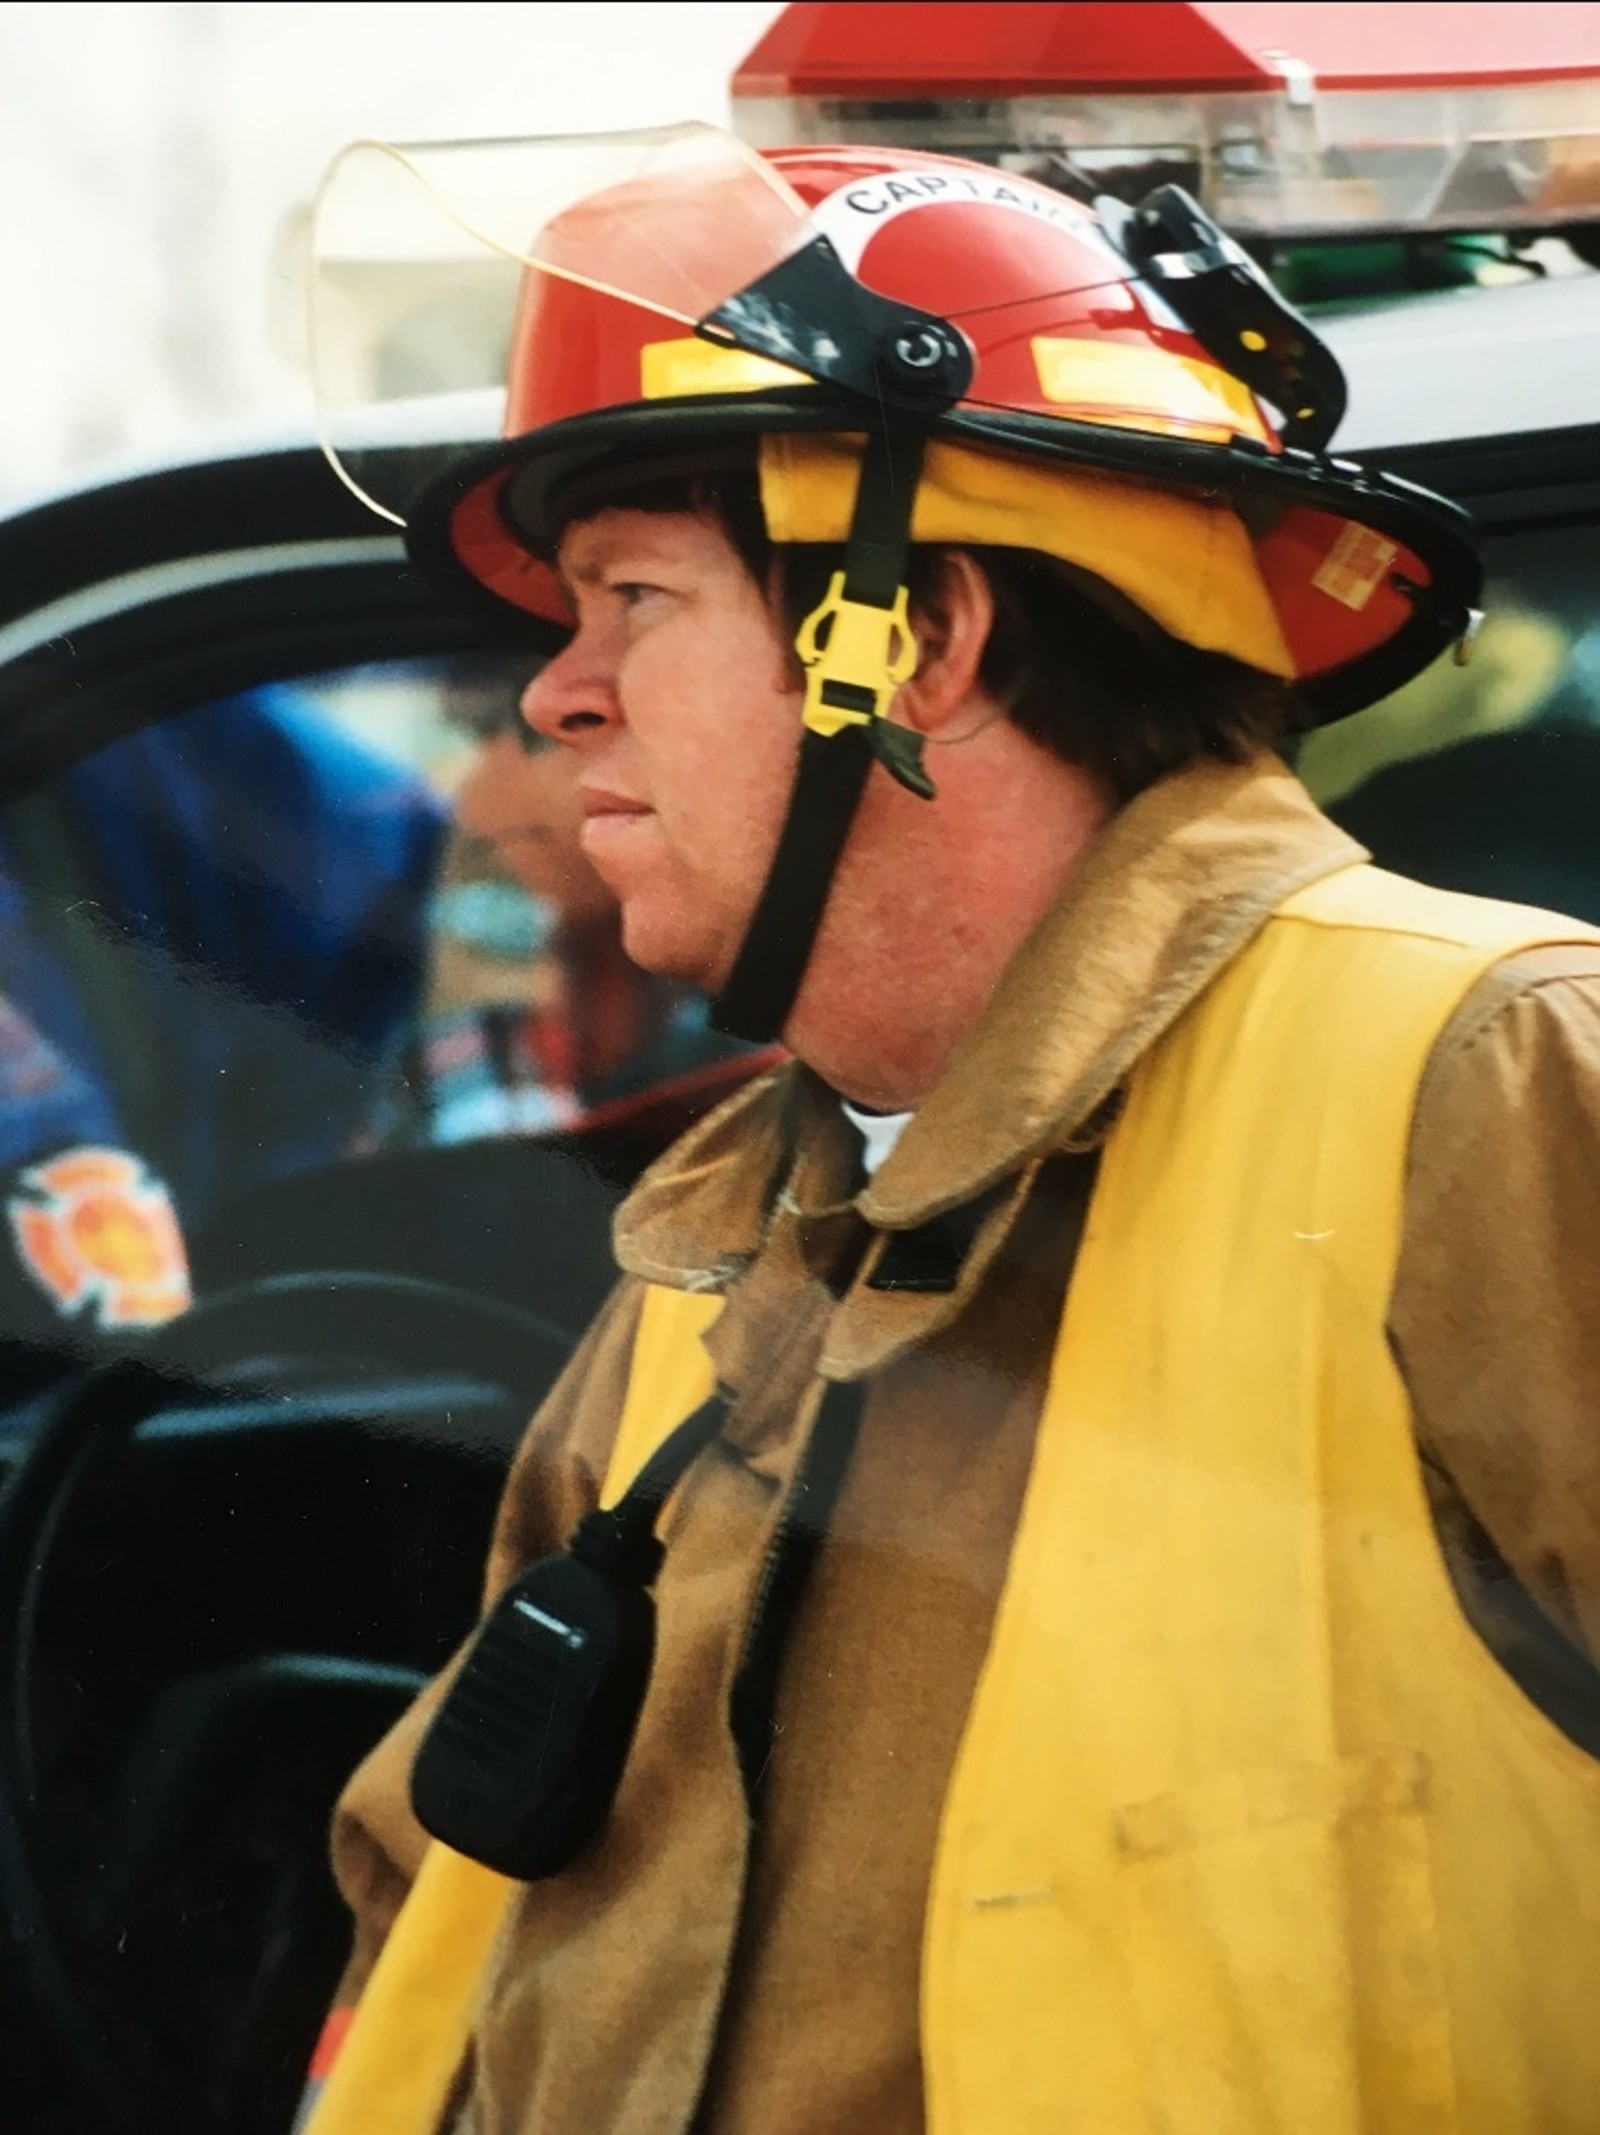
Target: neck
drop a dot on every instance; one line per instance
(928, 910)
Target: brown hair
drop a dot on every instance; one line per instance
(1077, 667)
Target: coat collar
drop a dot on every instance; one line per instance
(1175, 886)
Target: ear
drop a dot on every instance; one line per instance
(951, 625)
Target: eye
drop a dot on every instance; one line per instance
(633, 592)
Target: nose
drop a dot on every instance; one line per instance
(574, 694)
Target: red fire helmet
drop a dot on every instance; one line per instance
(1119, 388)
(907, 349)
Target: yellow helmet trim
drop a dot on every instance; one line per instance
(1185, 562)
(1114, 383)
(675, 370)
(1125, 386)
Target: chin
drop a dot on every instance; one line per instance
(668, 949)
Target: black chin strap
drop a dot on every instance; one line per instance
(857, 649)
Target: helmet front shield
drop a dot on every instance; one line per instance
(430, 264)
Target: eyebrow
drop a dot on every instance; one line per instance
(575, 579)
(588, 573)
(581, 574)
(570, 576)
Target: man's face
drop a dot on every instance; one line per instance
(678, 694)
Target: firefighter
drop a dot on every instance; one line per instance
(1062, 1589)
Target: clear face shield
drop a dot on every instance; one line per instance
(425, 257)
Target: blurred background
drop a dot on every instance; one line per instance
(157, 159)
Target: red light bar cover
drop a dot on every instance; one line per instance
(989, 48)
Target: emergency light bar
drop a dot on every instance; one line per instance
(1291, 121)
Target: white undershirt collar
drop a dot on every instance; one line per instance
(879, 1131)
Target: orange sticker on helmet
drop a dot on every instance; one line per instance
(100, 1236)
(1355, 566)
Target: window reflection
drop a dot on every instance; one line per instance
(211, 935)
(1487, 778)
(220, 920)
(533, 1016)
(338, 917)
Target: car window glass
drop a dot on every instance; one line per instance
(337, 918)
(530, 1015)
(1485, 778)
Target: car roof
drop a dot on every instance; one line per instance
(1470, 363)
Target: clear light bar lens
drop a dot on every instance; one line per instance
(1295, 162)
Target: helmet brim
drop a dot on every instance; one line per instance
(484, 531)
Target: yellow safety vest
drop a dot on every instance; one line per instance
(1248, 1835)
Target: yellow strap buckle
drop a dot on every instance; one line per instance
(852, 677)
